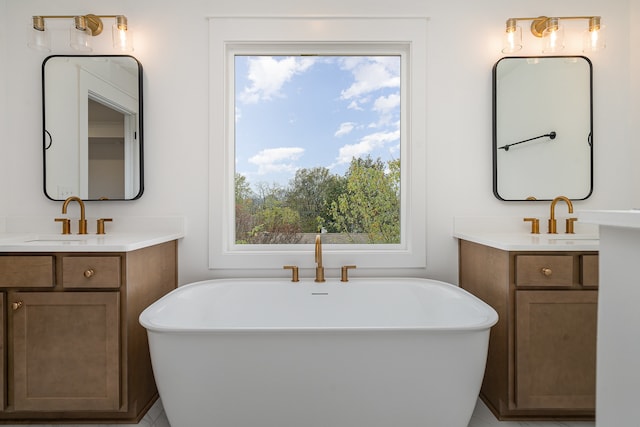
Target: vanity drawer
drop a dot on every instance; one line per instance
(590, 271)
(91, 272)
(26, 271)
(544, 270)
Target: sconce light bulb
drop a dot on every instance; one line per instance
(593, 39)
(38, 38)
(552, 36)
(122, 36)
(512, 41)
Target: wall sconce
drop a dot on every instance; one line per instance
(552, 34)
(82, 29)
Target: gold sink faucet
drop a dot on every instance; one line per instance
(552, 218)
(319, 267)
(82, 222)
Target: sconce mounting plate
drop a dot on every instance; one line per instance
(538, 25)
(94, 23)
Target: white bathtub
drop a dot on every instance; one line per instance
(272, 353)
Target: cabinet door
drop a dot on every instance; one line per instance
(65, 348)
(556, 349)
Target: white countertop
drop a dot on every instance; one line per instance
(113, 242)
(615, 218)
(34, 234)
(511, 234)
(533, 242)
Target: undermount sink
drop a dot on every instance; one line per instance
(57, 238)
(573, 237)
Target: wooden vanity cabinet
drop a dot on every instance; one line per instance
(541, 360)
(73, 348)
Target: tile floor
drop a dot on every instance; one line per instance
(482, 417)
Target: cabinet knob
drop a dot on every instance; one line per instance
(89, 273)
(547, 271)
(16, 305)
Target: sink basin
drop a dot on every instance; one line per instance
(573, 237)
(57, 238)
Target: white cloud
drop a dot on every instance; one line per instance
(345, 128)
(370, 74)
(385, 104)
(277, 159)
(268, 75)
(366, 145)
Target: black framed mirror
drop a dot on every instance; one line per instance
(542, 128)
(92, 127)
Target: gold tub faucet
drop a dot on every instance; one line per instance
(82, 222)
(319, 267)
(552, 218)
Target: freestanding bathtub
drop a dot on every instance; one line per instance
(272, 353)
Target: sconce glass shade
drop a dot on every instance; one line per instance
(552, 37)
(80, 35)
(593, 39)
(512, 39)
(122, 36)
(38, 38)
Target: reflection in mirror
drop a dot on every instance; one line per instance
(92, 109)
(542, 128)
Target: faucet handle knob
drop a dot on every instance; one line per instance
(535, 225)
(66, 225)
(344, 276)
(294, 272)
(100, 225)
(569, 225)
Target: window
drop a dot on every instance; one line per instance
(263, 211)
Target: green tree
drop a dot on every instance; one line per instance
(310, 193)
(370, 205)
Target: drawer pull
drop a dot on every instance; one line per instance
(547, 271)
(89, 273)
(16, 305)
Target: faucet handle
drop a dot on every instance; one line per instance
(569, 225)
(344, 276)
(100, 225)
(294, 272)
(535, 225)
(66, 225)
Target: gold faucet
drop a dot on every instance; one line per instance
(552, 219)
(82, 222)
(319, 267)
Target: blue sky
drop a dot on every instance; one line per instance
(306, 111)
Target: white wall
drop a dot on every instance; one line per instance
(464, 43)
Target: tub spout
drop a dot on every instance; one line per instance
(319, 267)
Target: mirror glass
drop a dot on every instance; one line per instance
(92, 116)
(542, 128)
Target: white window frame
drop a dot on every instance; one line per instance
(230, 36)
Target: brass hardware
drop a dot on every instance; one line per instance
(552, 219)
(547, 271)
(17, 305)
(100, 224)
(66, 225)
(569, 225)
(344, 275)
(82, 222)
(294, 272)
(318, 258)
(89, 273)
(535, 225)
(82, 22)
(541, 23)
